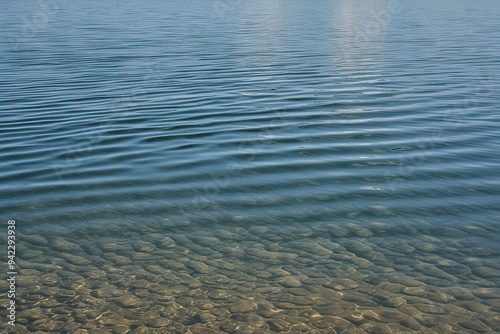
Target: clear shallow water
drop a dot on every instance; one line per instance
(253, 166)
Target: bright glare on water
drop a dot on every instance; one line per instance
(251, 166)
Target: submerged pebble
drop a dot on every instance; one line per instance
(341, 278)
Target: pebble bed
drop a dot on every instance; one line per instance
(241, 277)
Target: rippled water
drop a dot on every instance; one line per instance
(252, 166)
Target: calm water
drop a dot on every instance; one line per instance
(228, 166)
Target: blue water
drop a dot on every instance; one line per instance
(122, 119)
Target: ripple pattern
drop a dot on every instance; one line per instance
(236, 114)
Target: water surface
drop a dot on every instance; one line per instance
(252, 166)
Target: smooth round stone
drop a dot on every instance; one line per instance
(426, 247)
(298, 291)
(371, 315)
(207, 241)
(185, 301)
(312, 248)
(140, 284)
(144, 246)
(110, 319)
(258, 230)
(331, 295)
(142, 330)
(36, 325)
(493, 303)
(486, 272)
(329, 244)
(120, 329)
(76, 260)
(453, 268)
(166, 242)
(358, 247)
(229, 326)
(454, 232)
(429, 308)
(127, 301)
(492, 321)
(49, 303)
(156, 269)
(308, 313)
(475, 306)
(35, 240)
(342, 257)
(117, 259)
(203, 329)
(413, 324)
(338, 231)
(379, 226)
(233, 252)
(52, 325)
(398, 316)
(358, 300)
(278, 272)
(190, 282)
(98, 331)
(394, 302)
(217, 279)
(158, 322)
(415, 291)
(483, 251)
(341, 284)
(141, 293)
(279, 297)
(279, 256)
(242, 306)
(175, 290)
(223, 234)
(289, 282)
(287, 306)
(71, 327)
(78, 315)
(24, 281)
(409, 282)
(278, 325)
(456, 310)
(304, 328)
(321, 323)
(376, 329)
(439, 297)
(141, 256)
(199, 267)
(356, 317)
(112, 247)
(31, 255)
(329, 310)
(362, 262)
(266, 289)
(274, 247)
(268, 313)
(475, 325)
(203, 304)
(301, 301)
(51, 279)
(219, 294)
(363, 232)
(486, 293)
(62, 245)
(476, 230)
(205, 317)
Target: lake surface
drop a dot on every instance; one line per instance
(228, 166)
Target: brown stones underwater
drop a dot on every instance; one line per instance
(335, 278)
